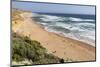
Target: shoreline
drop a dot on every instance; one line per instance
(56, 44)
(62, 35)
(71, 37)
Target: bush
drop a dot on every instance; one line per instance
(62, 61)
(25, 48)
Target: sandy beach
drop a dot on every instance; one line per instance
(60, 46)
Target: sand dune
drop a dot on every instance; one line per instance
(58, 45)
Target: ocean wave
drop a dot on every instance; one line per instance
(72, 27)
(59, 18)
(79, 19)
(83, 27)
(51, 18)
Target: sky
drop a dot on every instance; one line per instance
(54, 8)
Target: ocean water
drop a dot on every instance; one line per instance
(79, 27)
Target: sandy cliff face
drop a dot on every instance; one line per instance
(18, 19)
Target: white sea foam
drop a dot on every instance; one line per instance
(50, 18)
(79, 19)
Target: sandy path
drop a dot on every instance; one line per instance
(56, 44)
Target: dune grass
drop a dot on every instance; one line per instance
(25, 48)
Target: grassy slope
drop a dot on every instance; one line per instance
(24, 48)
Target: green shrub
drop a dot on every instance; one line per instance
(25, 48)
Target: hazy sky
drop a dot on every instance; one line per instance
(54, 8)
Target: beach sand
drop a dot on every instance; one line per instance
(60, 46)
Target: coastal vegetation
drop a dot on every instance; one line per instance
(25, 48)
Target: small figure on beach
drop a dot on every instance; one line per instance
(54, 51)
